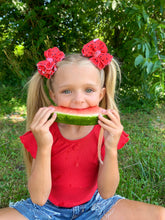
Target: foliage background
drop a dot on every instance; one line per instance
(133, 31)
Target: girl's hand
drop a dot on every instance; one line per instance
(40, 127)
(112, 129)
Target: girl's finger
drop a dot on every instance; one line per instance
(107, 127)
(106, 121)
(39, 113)
(51, 120)
(115, 113)
(113, 116)
(42, 116)
(110, 125)
(38, 116)
(45, 116)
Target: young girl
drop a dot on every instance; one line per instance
(66, 179)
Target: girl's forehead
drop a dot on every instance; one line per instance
(76, 73)
(76, 68)
(79, 65)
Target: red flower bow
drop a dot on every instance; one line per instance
(97, 51)
(48, 67)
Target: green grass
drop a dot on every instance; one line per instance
(141, 161)
(12, 125)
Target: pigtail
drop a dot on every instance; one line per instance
(36, 99)
(111, 72)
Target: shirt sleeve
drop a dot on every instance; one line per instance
(29, 143)
(122, 141)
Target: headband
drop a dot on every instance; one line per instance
(96, 50)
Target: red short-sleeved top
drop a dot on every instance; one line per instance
(74, 165)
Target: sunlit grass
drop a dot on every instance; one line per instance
(12, 101)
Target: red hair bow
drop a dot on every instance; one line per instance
(97, 51)
(47, 67)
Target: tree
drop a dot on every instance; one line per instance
(39, 25)
(133, 31)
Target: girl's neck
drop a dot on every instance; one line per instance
(73, 132)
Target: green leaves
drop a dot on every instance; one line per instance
(133, 31)
(138, 40)
(139, 59)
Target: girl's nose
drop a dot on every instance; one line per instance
(78, 98)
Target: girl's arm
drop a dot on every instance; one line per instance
(108, 176)
(39, 183)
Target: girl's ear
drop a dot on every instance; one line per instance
(102, 93)
(52, 96)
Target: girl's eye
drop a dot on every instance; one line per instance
(67, 91)
(89, 90)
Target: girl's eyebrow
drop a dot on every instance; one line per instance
(91, 84)
(72, 84)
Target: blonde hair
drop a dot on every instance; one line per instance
(38, 97)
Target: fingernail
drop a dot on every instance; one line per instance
(110, 110)
(51, 107)
(104, 110)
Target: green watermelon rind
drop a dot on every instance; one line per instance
(77, 119)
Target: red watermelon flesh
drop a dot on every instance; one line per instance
(87, 116)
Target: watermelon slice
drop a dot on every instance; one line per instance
(87, 116)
